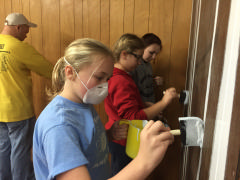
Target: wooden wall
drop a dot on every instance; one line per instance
(204, 78)
(62, 21)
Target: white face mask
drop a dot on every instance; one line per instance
(96, 94)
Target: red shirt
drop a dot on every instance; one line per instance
(123, 100)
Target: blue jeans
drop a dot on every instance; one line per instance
(119, 158)
(15, 150)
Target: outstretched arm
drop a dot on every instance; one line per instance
(155, 109)
(155, 139)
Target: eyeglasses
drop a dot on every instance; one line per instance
(152, 52)
(138, 57)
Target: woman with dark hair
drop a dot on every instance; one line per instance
(143, 74)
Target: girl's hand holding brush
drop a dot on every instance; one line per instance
(169, 95)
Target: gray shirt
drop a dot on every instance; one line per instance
(143, 77)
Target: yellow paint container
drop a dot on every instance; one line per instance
(133, 137)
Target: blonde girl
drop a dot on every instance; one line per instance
(69, 139)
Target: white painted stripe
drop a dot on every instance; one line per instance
(192, 73)
(191, 78)
(208, 81)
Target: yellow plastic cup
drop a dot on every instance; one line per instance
(133, 137)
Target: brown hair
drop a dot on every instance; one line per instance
(150, 39)
(127, 42)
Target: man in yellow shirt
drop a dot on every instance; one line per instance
(17, 60)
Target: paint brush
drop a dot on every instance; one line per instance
(183, 97)
(191, 131)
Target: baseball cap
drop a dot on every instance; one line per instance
(17, 19)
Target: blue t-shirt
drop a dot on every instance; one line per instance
(68, 135)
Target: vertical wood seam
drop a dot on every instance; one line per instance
(60, 29)
(42, 24)
(149, 2)
(100, 23)
(134, 15)
(171, 43)
(74, 20)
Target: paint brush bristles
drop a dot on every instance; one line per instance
(191, 131)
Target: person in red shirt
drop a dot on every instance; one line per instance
(124, 99)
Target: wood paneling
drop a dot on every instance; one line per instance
(17, 6)
(176, 74)
(25, 9)
(36, 33)
(62, 21)
(210, 50)
(78, 19)
(129, 11)
(141, 17)
(39, 83)
(192, 44)
(116, 20)
(2, 14)
(66, 23)
(180, 35)
(214, 88)
(200, 77)
(204, 45)
(51, 29)
(92, 16)
(105, 22)
(161, 23)
(8, 6)
(105, 38)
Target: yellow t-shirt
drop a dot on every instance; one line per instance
(17, 60)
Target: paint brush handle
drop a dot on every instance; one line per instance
(165, 92)
(175, 132)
